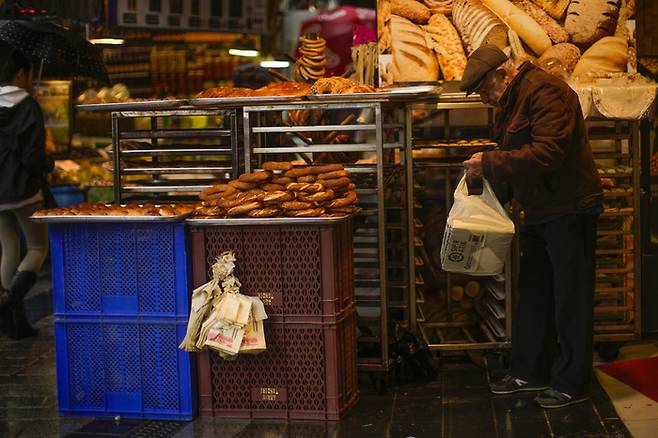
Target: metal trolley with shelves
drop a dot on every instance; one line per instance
(163, 154)
(374, 128)
(451, 312)
(617, 311)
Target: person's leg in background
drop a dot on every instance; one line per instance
(36, 238)
(9, 260)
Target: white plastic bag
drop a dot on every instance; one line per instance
(478, 233)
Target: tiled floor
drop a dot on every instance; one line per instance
(457, 404)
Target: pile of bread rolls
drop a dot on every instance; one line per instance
(430, 39)
(86, 209)
(311, 65)
(283, 190)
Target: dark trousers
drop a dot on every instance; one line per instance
(555, 307)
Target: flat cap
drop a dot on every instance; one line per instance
(484, 59)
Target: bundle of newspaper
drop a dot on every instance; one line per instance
(223, 319)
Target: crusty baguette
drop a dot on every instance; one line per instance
(439, 6)
(554, 8)
(608, 55)
(411, 9)
(477, 25)
(528, 30)
(413, 59)
(555, 32)
(448, 47)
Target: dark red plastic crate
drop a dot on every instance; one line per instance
(303, 271)
(308, 372)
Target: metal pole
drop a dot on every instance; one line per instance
(116, 151)
(381, 228)
(411, 231)
(247, 140)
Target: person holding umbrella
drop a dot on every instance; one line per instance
(23, 169)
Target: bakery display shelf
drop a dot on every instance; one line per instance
(190, 173)
(241, 101)
(442, 161)
(142, 105)
(374, 246)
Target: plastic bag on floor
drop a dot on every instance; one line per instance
(478, 233)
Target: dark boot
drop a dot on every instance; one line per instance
(5, 311)
(20, 286)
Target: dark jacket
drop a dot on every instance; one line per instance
(23, 160)
(544, 154)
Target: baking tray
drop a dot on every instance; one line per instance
(431, 144)
(114, 219)
(238, 101)
(144, 105)
(400, 93)
(268, 221)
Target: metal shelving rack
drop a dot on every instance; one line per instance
(488, 324)
(381, 283)
(617, 311)
(215, 151)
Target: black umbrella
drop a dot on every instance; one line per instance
(59, 51)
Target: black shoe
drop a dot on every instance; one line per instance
(552, 398)
(20, 327)
(510, 385)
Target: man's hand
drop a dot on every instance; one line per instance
(474, 166)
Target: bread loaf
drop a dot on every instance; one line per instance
(590, 20)
(413, 60)
(383, 26)
(528, 30)
(562, 56)
(448, 47)
(608, 55)
(555, 32)
(439, 6)
(554, 8)
(477, 25)
(411, 9)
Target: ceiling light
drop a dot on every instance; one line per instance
(275, 64)
(241, 52)
(109, 41)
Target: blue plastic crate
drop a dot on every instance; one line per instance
(120, 269)
(68, 195)
(132, 369)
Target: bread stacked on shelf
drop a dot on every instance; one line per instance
(429, 40)
(283, 190)
(311, 65)
(272, 89)
(339, 85)
(86, 209)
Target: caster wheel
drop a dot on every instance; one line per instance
(608, 351)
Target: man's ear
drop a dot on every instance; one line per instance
(501, 73)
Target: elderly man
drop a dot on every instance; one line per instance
(544, 162)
